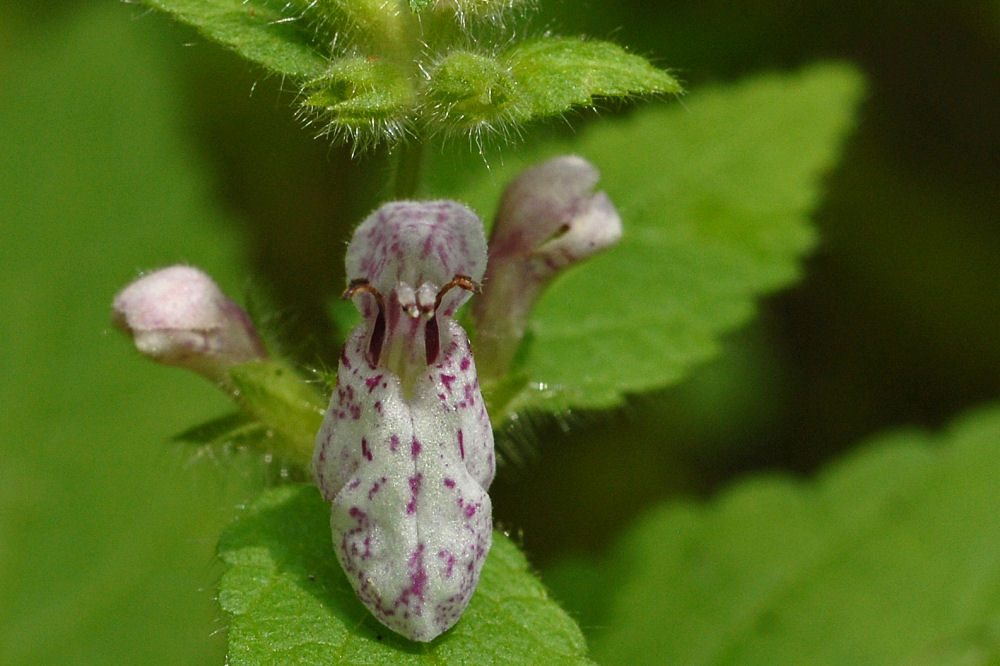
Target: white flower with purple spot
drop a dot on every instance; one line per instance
(405, 453)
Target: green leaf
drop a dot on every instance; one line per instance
(261, 31)
(472, 92)
(555, 74)
(715, 199)
(890, 556)
(288, 600)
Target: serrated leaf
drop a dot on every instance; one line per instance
(556, 74)
(288, 600)
(263, 32)
(715, 199)
(890, 556)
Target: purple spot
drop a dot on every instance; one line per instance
(470, 510)
(447, 380)
(461, 444)
(365, 451)
(419, 577)
(372, 382)
(411, 507)
(414, 448)
(449, 483)
(344, 361)
(393, 443)
(375, 488)
(355, 412)
(378, 406)
(449, 561)
(465, 363)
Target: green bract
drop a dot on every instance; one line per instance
(358, 95)
(470, 91)
(375, 71)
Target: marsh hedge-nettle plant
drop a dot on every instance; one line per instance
(405, 451)
(377, 542)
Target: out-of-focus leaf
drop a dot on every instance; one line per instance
(890, 556)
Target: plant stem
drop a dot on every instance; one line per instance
(407, 163)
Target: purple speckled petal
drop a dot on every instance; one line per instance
(405, 453)
(417, 242)
(550, 213)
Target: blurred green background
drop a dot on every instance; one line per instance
(128, 142)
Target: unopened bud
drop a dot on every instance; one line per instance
(179, 316)
(549, 218)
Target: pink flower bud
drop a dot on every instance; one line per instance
(548, 219)
(405, 453)
(179, 316)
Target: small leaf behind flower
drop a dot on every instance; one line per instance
(715, 202)
(288, 601)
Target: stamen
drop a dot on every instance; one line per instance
(361, 285)
(432, 336)
(462, 281)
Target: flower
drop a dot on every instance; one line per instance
(548, 220)
(179, 316)
(405, 453)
